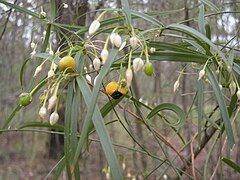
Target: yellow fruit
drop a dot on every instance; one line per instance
(115, 90)
(67, 63)
(112, 87)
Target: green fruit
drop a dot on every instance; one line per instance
(148, 69)
(25, 99)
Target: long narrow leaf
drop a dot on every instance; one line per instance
(222, 106)
(232, 164)
(200, 108)
(98, 122)
(127, 11)
(171, 107)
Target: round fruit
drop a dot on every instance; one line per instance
(148, 69)
(112, 87)
(115, 90)
(25, 99)
(67, 63)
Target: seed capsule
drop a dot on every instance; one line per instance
(52, 102)
(129, 77)
(104, 55)
(137, 64)
(94, 27)
(176, 86)
(89, 79)
(122, 45)
(43, 113)
(233, 88)
(37, 71)
(96, 63)
(25, 99)
(50, 73)
(133, 41)
(238, 94)
(112, 36)
(201, 74)
(117, 40)
(54, 117)
(148, 69)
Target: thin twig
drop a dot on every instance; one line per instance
(6, 22)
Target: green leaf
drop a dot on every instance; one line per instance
(210, 4)
(201, 23)
(22, 71)
(109, 106)
(172, 107)
(20, 9)
(127, 11)
(10, 117)
(160, 46)
(46, 39)
(232, 164)
(200, 108)
(222, 106)
(200, 38)
(67, 129)
(91, 116)
(147, 18)
(177, 56)
(60, 168)
(55, 127)
(236, 68)
(98, 122)
(53, 10)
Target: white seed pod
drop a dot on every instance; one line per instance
(137, 64)
(54, 117)
(52, 102)
(91, 67)
(32, 45)
(122, 45)
(95, 80)
(50, 73)
(96, 63)
(201, 74)
(176, 86)
(37, 71)
(133, 41)
(65, 6)
(232, 87)
(238, 94)
(43, 113)
(117, 40)
(129, 77)
(89, 79)
(112, 36)
(104, 55)
(152, 50)
(165, 177)
(123, 166)
(220, 86)
(43, 14)
(94, 27)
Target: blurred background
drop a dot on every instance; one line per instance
(32, 155)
